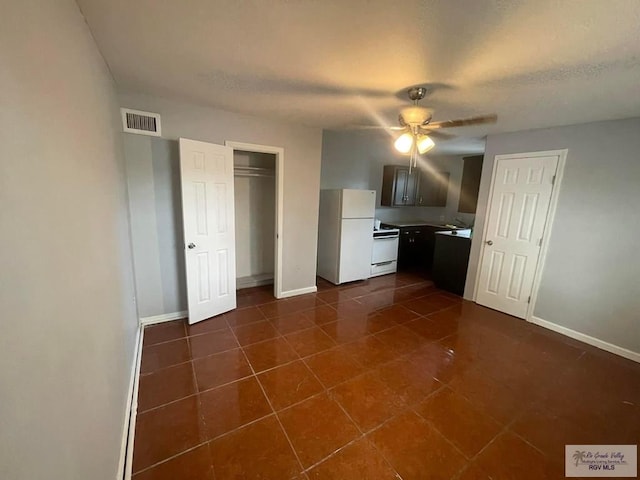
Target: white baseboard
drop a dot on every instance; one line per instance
(596, 342)
(165, 317)
(126, 448)
(254, 281)
(298, 291)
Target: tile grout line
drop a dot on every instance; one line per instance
(449, 441)
(388, 420)
(326, 389)
(512, 334)
(525, 440)
(412, 408)
(298, 358)
(171, 457)
(326, 392)
(195, 385)
(282, 336)
(227, 325)
(363, 434)
(505, 429)
(241, 347)
(273, 410)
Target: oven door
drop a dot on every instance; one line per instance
(384, 250)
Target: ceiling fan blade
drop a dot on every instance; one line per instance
(435, 133)
(373, 127)
(493, 118)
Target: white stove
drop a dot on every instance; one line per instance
(384, 254)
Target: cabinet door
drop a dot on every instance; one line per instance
(399, 189)
(400, 192)
(394, 182)
(405, 250)
(450, 261)
(433, 190)
(410, 250)
(470, 184)
(411, 190)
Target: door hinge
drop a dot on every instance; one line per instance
(540, 242)
(529, 300)
(553, 180)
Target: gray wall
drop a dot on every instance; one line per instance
(153, 179)
(590, 280)
(156, 229)
(68, 324)
(355, 159)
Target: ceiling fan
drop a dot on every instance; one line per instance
(415, 122)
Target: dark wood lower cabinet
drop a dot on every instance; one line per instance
(410, 248)
(450, 262)
(416, 248)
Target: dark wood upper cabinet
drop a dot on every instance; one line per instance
(398, 186)
(420, 188)
(433, 189)
(470, 185)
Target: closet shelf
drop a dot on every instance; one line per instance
(241, 171)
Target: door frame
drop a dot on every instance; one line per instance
(279, 154)
(548, 225)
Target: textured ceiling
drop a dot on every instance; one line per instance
(334, 63)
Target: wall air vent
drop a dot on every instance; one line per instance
(142, 123)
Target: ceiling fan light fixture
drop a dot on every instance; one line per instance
(404, 142)
(416, 115)
(424, 143)
(416, 123)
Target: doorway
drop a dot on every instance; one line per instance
(209, 203)
(522, 198)
(258, 179)
(254, 190)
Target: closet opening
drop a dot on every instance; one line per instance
(257, 174)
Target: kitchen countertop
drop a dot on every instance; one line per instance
(415, 223)
(462, 233)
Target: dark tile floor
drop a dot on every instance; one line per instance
(384, 379)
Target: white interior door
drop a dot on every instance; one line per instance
(521, 194)
(206, 172)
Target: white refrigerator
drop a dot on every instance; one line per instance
(345, 234)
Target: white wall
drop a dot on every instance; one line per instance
(66, 298)
(302, 147)
(355, 159)
(590, 281)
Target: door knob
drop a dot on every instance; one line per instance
(191, 245)
(489, 242)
